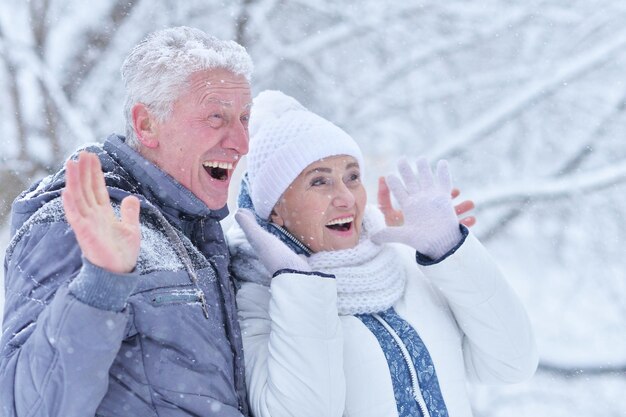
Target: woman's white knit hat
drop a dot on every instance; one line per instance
(285, 138)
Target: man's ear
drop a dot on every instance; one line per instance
(145, 126)
(276, 219)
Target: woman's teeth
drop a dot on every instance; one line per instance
(340, 221)
(342, 224)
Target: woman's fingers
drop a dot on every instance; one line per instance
(462, 208)
(393, 217)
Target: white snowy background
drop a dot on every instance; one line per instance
(527, 100)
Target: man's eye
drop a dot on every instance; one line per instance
(216, 119)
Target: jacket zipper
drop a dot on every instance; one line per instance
(293, 239)
(178, 246)
(417, 394)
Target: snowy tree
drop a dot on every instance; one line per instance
(527, 101)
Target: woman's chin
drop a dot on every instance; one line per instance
(345, 243)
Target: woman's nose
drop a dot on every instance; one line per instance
(343, 197)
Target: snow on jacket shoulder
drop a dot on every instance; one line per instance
(78, 340)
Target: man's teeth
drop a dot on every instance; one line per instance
(341, 221)
(218, 164)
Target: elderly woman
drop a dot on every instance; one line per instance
(341, 315)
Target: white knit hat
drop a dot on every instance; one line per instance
(285, 138)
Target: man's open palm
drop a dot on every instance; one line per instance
(107, 241)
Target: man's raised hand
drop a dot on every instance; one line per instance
(106, 241)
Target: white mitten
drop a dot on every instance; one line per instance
(273, 253)
(430, 224)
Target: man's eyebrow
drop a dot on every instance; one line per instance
(225, 103)
(208, 99)
(352, 165)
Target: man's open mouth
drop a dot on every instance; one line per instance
(218, 170)
(343, 224)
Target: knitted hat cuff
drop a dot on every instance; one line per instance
(283, 165)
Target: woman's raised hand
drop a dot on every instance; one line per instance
(430, 223)
(394, 217)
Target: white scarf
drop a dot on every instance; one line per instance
(370, 278)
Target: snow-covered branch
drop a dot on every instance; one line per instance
(527, 95)
(542, 189)
(67, 112)
(583, 371)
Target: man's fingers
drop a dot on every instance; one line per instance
(384, 195)
(392, 216)
(73, 188)
(455, 192)
(468, 221)
(99, 186)
(85, 178)
(129, 211)
(464, 207)
(72, 213)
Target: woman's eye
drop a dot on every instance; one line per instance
(316, 182)
(354, 177)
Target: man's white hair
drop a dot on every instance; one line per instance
(158, 69)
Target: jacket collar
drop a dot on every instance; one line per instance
(176, 201)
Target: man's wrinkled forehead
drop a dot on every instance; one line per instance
(221, 85)
(226, 103)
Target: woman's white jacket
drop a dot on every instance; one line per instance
(304, 359)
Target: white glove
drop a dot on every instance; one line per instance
(430, 224)
(273, 253)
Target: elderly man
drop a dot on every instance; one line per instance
(118, 298)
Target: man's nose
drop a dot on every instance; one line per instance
(238, 138)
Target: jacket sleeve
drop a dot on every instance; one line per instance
(498, 342)
(58, 343)
(293, 346)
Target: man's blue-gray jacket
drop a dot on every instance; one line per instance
(80, 341)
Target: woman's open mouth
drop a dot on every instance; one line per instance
(218, 170)
(343, 224)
